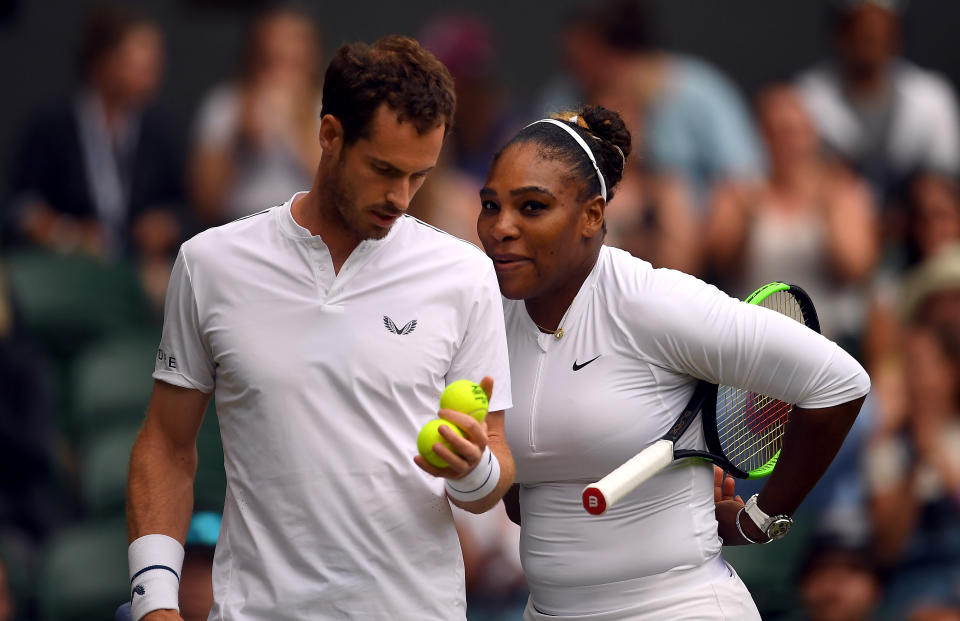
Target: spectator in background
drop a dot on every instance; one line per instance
(932, 218)
(99, 172)
(838, 581)
(256, 139)
(913, 473)
(882, 113)
(695, 123)
(930, 223)
(485, 118)
(652, 216)
(813, 223)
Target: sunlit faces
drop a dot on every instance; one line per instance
(534, 225)
(376, 177)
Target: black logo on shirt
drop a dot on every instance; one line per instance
(139, 590)
(392, 327)
(577, 367)
(171, 361)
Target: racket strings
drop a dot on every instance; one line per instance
(750, 426)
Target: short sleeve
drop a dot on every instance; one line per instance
(483, 350)
(698, 330)
(183, 358)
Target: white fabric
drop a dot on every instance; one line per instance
(924, 131)
(319, 404)
(711, 592)
(653, 333)
(156, 563)
(479, 482)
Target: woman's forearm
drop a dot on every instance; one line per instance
(810, 443)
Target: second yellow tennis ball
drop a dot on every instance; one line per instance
(430, 435)
(467, 397)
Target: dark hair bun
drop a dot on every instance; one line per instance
(607, 125)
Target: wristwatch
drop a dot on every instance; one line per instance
(774, 527)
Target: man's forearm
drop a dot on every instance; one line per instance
(160, 487)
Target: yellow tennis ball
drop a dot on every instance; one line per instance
(467, 397)
(430, 435)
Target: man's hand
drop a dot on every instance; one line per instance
(468, 449)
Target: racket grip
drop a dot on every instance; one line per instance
(608, 491)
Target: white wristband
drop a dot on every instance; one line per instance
(479, 482)
(155, 565)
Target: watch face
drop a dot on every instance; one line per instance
(779, 528)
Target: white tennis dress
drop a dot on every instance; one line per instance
(635, 341)
(321, 384)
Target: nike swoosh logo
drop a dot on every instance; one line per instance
(577, 367)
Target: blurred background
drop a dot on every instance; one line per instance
(814, 142)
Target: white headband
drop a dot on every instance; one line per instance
(583, 144)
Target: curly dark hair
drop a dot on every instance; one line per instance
(394, 70)
(604, 132)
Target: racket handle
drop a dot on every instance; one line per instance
(608, 491)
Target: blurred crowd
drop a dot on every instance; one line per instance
(842, 179)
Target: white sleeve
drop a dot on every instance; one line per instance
(483, 350)
(183, 358)
(695, 328)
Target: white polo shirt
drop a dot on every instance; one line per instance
(635, 340)
(322, 382)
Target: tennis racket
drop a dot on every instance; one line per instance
(743, 430)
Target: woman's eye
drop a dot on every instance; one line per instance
(533, 206)
(488, 205)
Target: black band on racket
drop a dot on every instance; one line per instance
(703, 394)
(810, 318)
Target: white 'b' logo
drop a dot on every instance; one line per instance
(593, 502)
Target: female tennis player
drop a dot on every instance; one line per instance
(604, 353)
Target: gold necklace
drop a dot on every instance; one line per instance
(558, 333)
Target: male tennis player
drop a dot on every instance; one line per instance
(327, 327)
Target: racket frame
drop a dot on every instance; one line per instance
(704, 402)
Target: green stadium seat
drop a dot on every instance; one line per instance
(84, 574)
(104, 464)
(112, 382)
(66, 300)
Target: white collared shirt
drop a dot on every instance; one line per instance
(322, 381)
